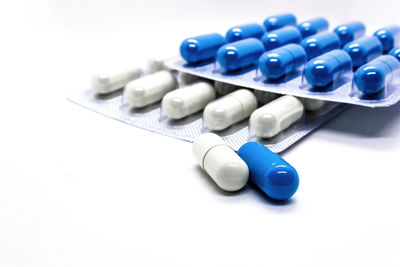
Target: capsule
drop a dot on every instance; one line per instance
(240, 54)
(395, 52)
(320, 43)
(265, 97)
(389, 37)
(187, 78)
(244, 31)
(363, 50)
(371, 78)
(157, 62)
(280, 37)
(349, 32)
(104, 83)
(149, 89)
(224, 88)
(276, 116)
(220, 162)
(230, 109)
(277, 63)
(313, 26)
(202, 47)
(311, 104)
(279, 21)
(272, 174)
(324, 69)
(187, 100)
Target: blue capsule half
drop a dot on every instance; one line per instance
(313, 26)
(280, 37)
(389, 37)
(277, 63)
(244, 31)
(324, 69)
(273, 175)
(396, 53)
(320, 43)
(363, 50)
(349, 32)
(240, 54)
(202, 47)
(371, 77)
(279, 21)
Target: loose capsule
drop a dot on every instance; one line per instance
(324, 69)
(276, 116)
(279, 21)
(240, 54)
(224, 88)
(149, 89)
(363, 50)
(349, 32)
(320, 43)
(277, 63)
(187, 100)
(313, 26)
(395, 52)
(280, 37)
(371, 77)
(203, 47)
(389, 37)
(220, 162)
(244, 31)
(230, 109)
(272, 174)
(104, 83)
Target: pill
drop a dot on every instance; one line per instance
(389, 37)
(224, 88)
(220, 162)
(240, 54)
(203, 47)
(149, 89)
(230, 109)
(268, 171)
(277, 63)
(157, 62)
(363, 50)
(187, 100)
(349, 32)
(276, 116)
(244, 31)
(280, 37)
(265, 97)
(279, 21)
(311, 104)
(372, 77)
(187, 78)
(313, 26)
(320, 43)
(104, 83)
(395, 52)
(324, 69)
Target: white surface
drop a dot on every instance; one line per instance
(78, 189)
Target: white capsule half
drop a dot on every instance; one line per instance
(265, 97)
(312, 104)
(187, 78)
(187, 100)
(276, 116)
(149, 89)
(230, 109)
(157, 63)
(104, 83)
(220, 162)
(224, 88)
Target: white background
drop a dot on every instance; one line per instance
(79, 189)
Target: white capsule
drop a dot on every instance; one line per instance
(265, 97)
(157, 63)
(187, 78)
(224, 88)
(312, 104)
(276, 116)
(220, 162)
(104, 83)
(187, 100)
(230, 109)
(149, 89)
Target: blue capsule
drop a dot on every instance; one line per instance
(279, 21)
(277, 63)
(202, 47)
(281, 37)
(314, 26)
(320, 43)
(240, 54)
(395, 52)
(371, 78)
(244, 31)
(363, 50)
(349, 32)
(389, 37)
(273, 175)
(324, 69)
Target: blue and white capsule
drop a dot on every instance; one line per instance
(240, 54)
(252, 30)
(349, 32)
(281, 37)
(279, 62)
(313, 26)
(363, 50)
(396, 53)
(202, 47)
(389, 37)
(320, 43)
(279, 21)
